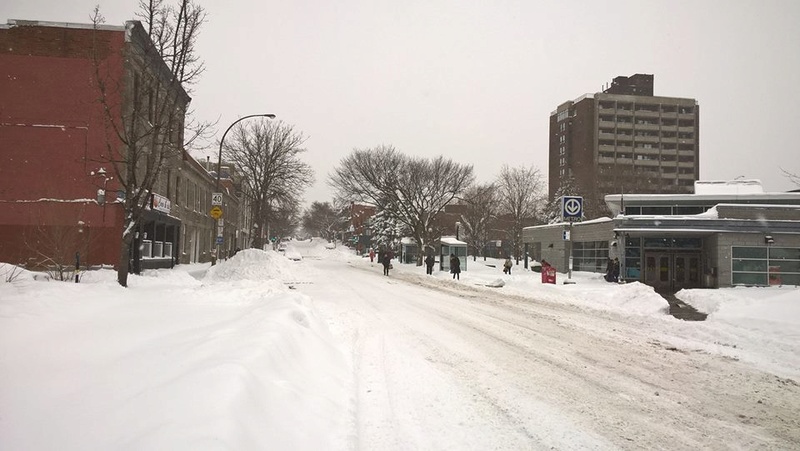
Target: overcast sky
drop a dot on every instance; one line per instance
(476, 80)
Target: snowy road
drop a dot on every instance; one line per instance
(452, 366)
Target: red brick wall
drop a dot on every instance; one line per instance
(52, 136)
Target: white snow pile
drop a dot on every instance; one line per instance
(253, 265)
(169, 362)
(774, 309)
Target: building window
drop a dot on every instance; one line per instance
(765, 265)
(590, 256)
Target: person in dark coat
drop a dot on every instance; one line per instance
(386, 261)
(429, 261)
(615, 271)
(609, 270)
(455, 266)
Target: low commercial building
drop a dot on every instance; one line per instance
(726, 234)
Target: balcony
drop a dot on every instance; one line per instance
(647, 113)
(649, 127)
(647, 139)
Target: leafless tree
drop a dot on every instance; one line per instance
(794, 178)
(521, 197)
(321, 219)
(145, 109)
(285, 220)
(412, 190)
(267, 154)
(481, 209)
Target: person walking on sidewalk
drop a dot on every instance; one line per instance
(455, 266)
(507, 266)
(429, 261)
(386, 260)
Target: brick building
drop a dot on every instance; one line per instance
(622, 140)
(58, 192)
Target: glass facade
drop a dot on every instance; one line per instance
(765, 265)
(590, 256)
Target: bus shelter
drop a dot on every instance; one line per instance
(451, 246)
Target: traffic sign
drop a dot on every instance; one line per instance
(565, 235)
(216, 198)
(216, 212)
(220, 240)
(571, 207)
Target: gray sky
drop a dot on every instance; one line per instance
(476, 80)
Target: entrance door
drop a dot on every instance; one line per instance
(686, 271)
(672, 272)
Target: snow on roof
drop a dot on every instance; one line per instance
(407, 240)
(450, 241)
(728, 187)
(562, 224)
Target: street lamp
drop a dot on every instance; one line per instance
(219, 161)
(219, 157)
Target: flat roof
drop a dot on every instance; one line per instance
(42, 23)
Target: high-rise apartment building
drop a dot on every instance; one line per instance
(623, 139)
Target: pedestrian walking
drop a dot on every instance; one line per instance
(371, 255)
(429, 261)
(507, 266)
(386, 261)
(455, 266)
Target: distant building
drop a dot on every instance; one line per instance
(624, 139)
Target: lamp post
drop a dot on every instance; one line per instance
(219, 162)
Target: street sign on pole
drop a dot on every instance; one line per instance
(216, 198)
(571, 208)
(215, 212)
(219, 240)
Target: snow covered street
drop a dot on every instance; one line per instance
(451, 366)
(264, 352)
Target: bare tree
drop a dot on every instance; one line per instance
(481, 203)
(411, 190)
(284, 221)
(521, 197)
(794, 178)
(267, 154)
(322, 219)
(145, 108)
